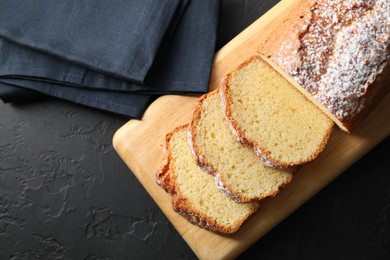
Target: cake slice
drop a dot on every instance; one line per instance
(265, 111)
(237, 170)
(194, 193)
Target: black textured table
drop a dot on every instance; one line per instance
(65, 194)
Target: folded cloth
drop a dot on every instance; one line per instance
(119, 37)
(182, 66)
(125, 104)
(14, 94)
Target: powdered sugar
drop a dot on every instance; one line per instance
(221, 186)
(341, 51)
(264, 159)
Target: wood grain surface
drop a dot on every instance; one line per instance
(140, 144)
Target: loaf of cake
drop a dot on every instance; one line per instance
(237, 170)
(194, 193)
(337, 52)
(266, 112)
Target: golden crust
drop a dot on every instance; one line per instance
(164, 178)
(185, 209)
(200, 160)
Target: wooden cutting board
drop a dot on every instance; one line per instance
(140, 143)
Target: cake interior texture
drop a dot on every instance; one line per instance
(237, 168)
(196, 194)
(275, 116)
